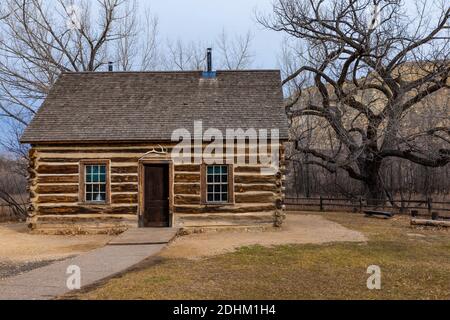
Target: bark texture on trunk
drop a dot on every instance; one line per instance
(375, 194)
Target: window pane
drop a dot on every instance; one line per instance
(103, 178)
(217, 197)
(210, 179)
(88, 196)
(224, 169)
(210, 188)
(224, 188)
(103, 188)
(102, 169)
(224, 197)
(225, 178)
(96, 188)
(97, 197)
(217, 169)
(88, 178)
(95, 170)
(217, 188)
(210, 169)
(216, 178)
(89, 188)
(210, 197)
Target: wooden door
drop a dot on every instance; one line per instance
(156, 196)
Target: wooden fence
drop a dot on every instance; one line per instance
(421, 207)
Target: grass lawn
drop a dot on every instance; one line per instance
(415, 264)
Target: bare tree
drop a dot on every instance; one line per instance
(232, 54)
(137, 48)
(185, 55)
(39, 40)
(370, 72)
(235, 53)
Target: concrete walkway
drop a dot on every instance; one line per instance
(125, 251)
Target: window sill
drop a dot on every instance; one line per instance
(218, 204)
(93, 204)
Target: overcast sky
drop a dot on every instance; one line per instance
(204, 20)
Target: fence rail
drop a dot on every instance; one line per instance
(427, 206)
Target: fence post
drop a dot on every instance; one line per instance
(321, 203)
(430, 204)
(360, 204)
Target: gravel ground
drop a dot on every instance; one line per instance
(12, 268)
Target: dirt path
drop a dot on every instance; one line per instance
(21, 251)
(298, 229)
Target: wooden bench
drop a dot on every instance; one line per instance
(379, 213)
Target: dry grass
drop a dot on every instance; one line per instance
(415, 264)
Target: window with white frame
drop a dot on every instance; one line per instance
(217, 184)
(95, 183)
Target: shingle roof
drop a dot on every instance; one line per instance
(142, 106)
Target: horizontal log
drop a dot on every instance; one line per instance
(256, 187)
(71, 159)
(430, 223)
(254, 179)
(122, 146)
(186, 177)
(99, 150)
(186, 199)
(58, 179)
(190, 189)
(124, 188)
(56, 189)
(87, 218)
(260, 197)
(130, 169)
(224, 209)
(48, 169)
(124, 198)
(120, 179)
(211, 220)
(70, 210)
(57, 199)
(187, 168)
(248, 169)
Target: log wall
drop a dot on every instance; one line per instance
(54, 182)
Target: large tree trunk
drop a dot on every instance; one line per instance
(375, 193)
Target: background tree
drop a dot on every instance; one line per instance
(41, 39)
(370, 67)
(233, 53)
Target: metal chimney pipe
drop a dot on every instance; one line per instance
(110, 67)
(209, 59)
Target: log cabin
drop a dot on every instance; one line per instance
(101, 147)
